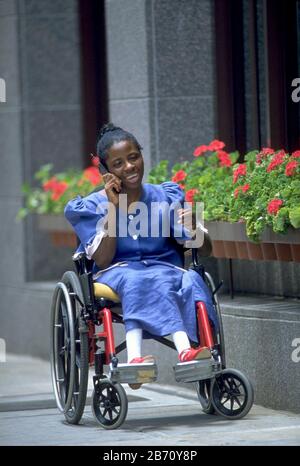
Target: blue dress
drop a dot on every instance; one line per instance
(157, 294)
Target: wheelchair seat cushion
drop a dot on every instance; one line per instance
(104, 291)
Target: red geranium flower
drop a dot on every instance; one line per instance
(50, 184)
(236, 191)
(200, 150)
(95, 160)
(296, 154)
(291, 167)
(216, 145)
(189, 195)
(246, 187)
(241, 170)
(179, 176)
(264, 153)
(277, 159)
(274, 206)
(224, 158)
(181, 186)
(92, 174)
(59, 189)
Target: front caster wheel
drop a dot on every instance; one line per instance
(109, 404)
(232, 394)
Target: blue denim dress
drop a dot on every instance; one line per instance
(147, 273)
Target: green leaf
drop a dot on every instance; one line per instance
(22, 213)
(294, 215)
(44, 172)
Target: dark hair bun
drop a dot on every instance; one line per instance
(106, 128)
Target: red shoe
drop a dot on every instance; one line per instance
(141, 360)
(146, 359)
(194, 354)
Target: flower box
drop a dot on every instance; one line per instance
(230, 241)
(60, 231)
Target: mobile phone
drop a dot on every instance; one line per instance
(103, 168)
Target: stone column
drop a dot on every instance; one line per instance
(161, 74)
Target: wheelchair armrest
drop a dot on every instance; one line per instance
(84, 270)
(82, 263)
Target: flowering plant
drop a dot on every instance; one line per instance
(267, 192)
(207, 178)
(56, 190)
(264, 191)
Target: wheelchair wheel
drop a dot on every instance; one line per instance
(203, 388)
(220, 332)
(69, 349)
(232, 394)
(109, 404)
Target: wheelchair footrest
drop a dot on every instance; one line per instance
(196, 370)
(134, 373)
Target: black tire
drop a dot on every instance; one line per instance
(62, 349)
(109, 404)
(69, 349)
(203, 388)
(81, 376)
(232, 394)
(219, 333)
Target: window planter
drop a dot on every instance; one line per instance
(230, 241)
(60, 231)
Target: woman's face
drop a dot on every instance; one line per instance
(126, 162)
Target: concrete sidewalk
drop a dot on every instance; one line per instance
(157, 415)
(25, 384)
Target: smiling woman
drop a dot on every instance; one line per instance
(158, 295)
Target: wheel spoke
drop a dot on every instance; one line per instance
(237, 401)
(225, 399)
(231, 403)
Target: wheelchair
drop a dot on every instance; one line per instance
(82, 316)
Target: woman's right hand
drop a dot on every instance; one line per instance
(113, 186)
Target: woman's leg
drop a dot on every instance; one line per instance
(181, 341)
(134, 339)
(134, 343)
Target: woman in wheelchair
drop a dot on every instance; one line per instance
(133, 233)
(158, 296)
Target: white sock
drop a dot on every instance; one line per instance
(134, 343)
(181, 341)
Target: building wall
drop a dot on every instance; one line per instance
(161, 74)
(40, 122)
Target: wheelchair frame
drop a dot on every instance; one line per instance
(76, 344)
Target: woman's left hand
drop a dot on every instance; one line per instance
(186, 218)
